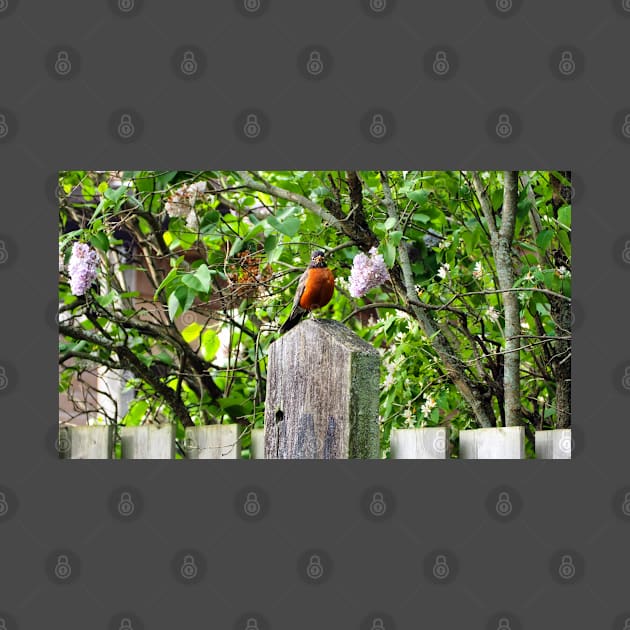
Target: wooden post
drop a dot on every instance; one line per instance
(492, 443)
(322, 394)
(149, 441)
(424, 443)
(257, 448)
(213, 441)
(553, 444)
(86, 442)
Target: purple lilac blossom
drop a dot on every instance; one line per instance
(367, 272)
(82, 268)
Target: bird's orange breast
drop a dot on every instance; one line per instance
(319, 288)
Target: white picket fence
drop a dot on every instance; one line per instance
(224, 442)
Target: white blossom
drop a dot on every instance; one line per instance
(492, 314)
(427, 406)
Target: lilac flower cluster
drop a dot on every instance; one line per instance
(367, 272)
(82, 268)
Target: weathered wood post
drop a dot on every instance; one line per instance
(86, 442)
(322, 394)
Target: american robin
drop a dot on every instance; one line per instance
(314, 290)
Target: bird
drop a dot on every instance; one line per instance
(315, 289)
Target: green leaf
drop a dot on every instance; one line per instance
(115, 195)
(106, 300)
(165, 178)
(192, 332)
(174, 307)
(544, 239)
(180, 301)
(100, 241)
(390, 223)
(169, 278)
(204, 275)
(270, 243)
(419, 196)
(563, 237)
(288, 226)
(210, 344)
(199, 284)
(564, 216)
(137, 410)
(389, 253)
(209, 221)
(237, 246)
(394, 237)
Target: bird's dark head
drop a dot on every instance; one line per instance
(318, 258)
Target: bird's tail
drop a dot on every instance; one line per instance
(292, 320)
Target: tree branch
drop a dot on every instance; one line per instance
(501, 243)
(475, 394)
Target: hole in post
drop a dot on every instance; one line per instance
(279, 416)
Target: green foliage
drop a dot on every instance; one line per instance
(223, 275)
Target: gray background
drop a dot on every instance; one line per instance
(373, 62)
